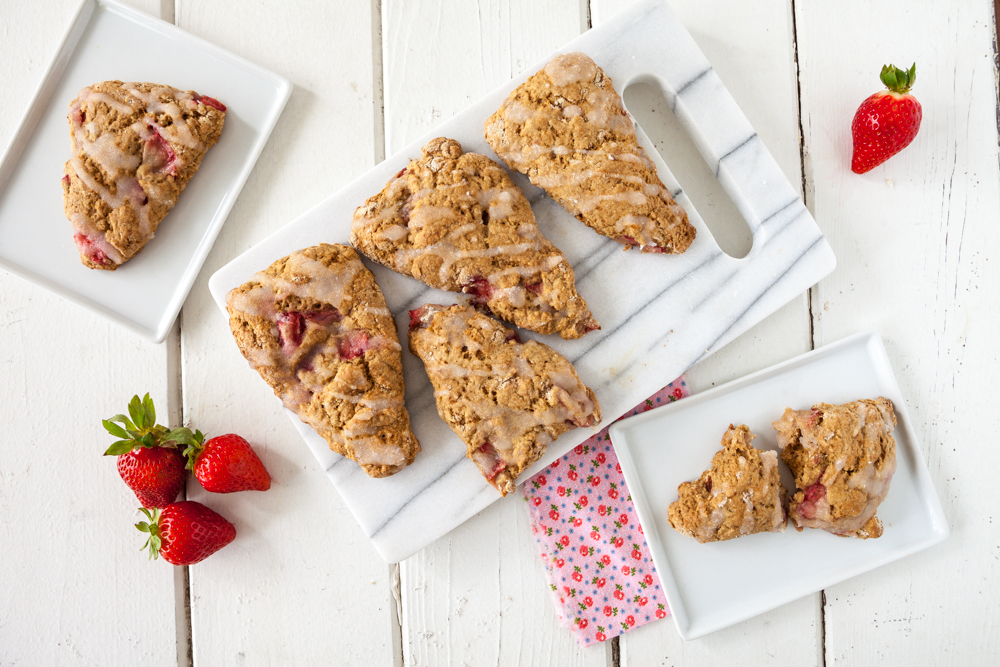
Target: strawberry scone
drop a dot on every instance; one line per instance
(457, 222)
(315, 326)
(740, 494)
(843, 458)
(135, 147)
(567, 130)
(507, 400)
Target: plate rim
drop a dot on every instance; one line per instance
(938, 529)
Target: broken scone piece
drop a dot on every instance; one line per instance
(740, 494)
(843, 458)
(505, 399)
(315, 326)
(567, 130)
(135, 146)
(457, 222)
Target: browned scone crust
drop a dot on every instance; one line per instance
(567, 130)
(315, 326)
(843, 458)
(135, 146)
(505, 399)
(457, 222)
(740, 494)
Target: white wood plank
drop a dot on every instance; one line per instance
(301, 585)
(917, 240)
(750, 46)
(76, 589)
(478, 595)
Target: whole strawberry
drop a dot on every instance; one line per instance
(226, 464)
(185, 533)
(886, 122)
(150, 460)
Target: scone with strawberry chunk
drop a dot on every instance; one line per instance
(507, 400)
(135, 147)
(567, 130)
(843, 458)
(457, 222)
(315, 326)
(740, 494)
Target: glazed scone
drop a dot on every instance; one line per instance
(740, 494)
(135, 146)
(507, 400)
(315, 326)
(567, 130)
(457, 222)
(843, 458)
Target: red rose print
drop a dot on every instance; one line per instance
(577, 576)
(565, 540)
(606, 559)
(613, 493)
(589, 601)
(602, 510)
(623, 519)
(636, 554)
(619, 595)
(562, 489)
(678, 393)
(579, 448)
(541, 479)
(595, 535)
(640, 529)
(554, 515)
(560, 562)
(630, 619)
(618, 467)
(601, 582)
(555, 464)
(643, 601)
(659, 612)
(607, 610)
(649, 578)
(584, 551)
(583, 501)
(600, 637)
(537, 501)
(577, 522)
(572, 475)
(601, 458)
(626, 570)
(618, 542)
(595, 480)
(583, 623)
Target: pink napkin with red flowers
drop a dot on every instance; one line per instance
(600, 573)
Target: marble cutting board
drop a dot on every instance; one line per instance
(660, 314)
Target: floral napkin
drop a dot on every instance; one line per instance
(600, 573)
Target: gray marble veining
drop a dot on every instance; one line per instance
(660, 314)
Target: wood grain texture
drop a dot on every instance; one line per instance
(301, 585)
(917, 239)
(76, 590)
(750, 47)
(477, 596)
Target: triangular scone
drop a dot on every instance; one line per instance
(135, 147)
(315, 326)
(843, 458)
(567, 130)
(507, 400)
(457, 222)
(741, 494)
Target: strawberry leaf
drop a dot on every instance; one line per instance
(147, 404)
(114, 429)
(120, 447)
(137, 413)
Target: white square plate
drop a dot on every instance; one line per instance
(707, 585)
(109, 41)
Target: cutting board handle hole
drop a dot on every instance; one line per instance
(652, 113)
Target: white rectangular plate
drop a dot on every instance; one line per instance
(711, 586)
(660, 313)
(109, 41)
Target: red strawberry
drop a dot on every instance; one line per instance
(185, 533)
(886, 122)
(149, 456)
(226, 464)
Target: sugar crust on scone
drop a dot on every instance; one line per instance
(505, 399)
(740, 494)
(843, 458)
(567, 130)
(457, 222)
(135, 146)
(316, 327)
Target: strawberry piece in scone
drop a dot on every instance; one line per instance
(567, 130)
(457, 222)
(135, 147)
(505, 399)
(315, 326)
(740, 494)
(843, 458)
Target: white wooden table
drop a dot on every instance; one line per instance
(919, 261)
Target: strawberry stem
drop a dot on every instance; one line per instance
(153, 528)
(899, 80)
(142, 430)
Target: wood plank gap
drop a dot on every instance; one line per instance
(168, 11)
(822, 628)
(616, 652)
(587, 19)
(378, 86)
(996, 61)
(396, 616)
